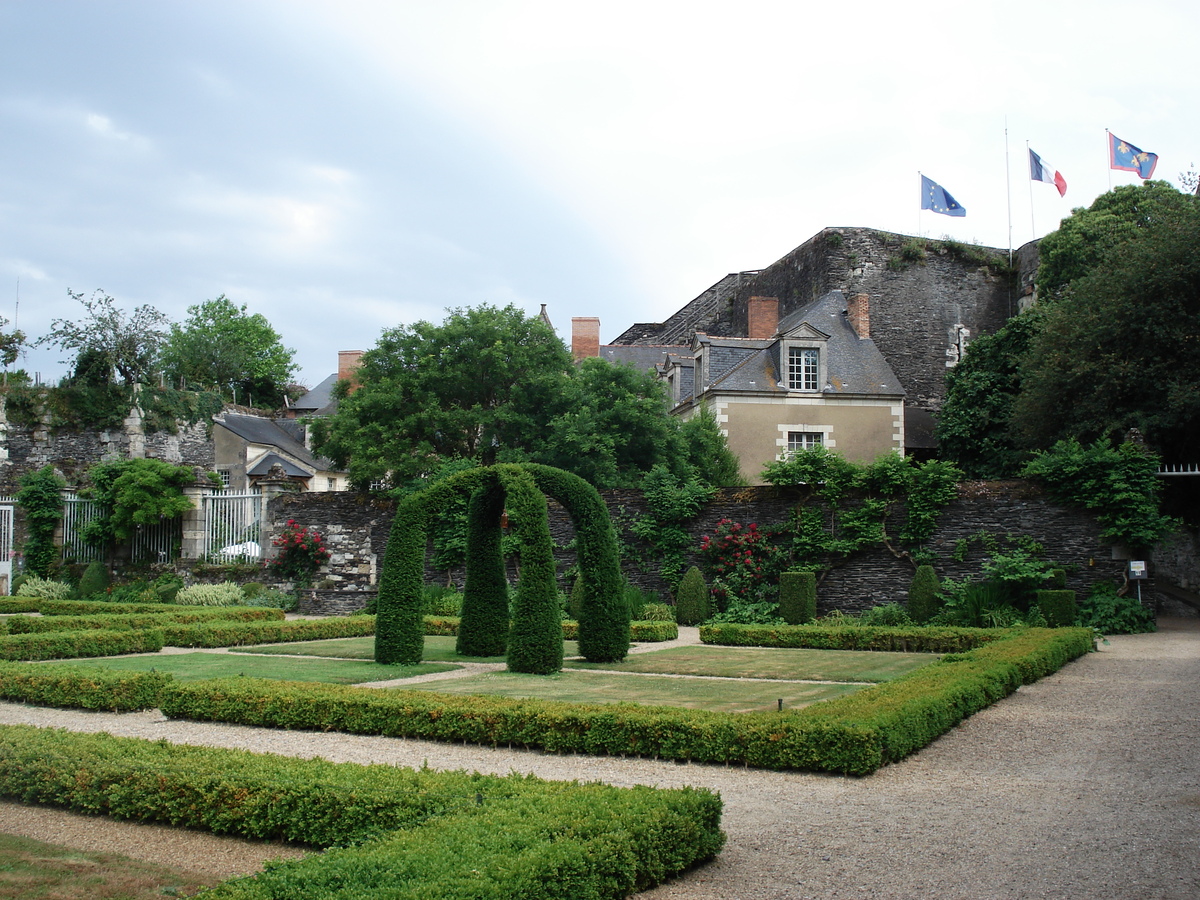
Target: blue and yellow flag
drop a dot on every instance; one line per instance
(937, 198)
(1123, 155)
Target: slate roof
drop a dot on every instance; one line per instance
(318, 398)
(853, 365)
(645, 357)
(266, 432)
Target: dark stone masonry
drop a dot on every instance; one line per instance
(356, 528)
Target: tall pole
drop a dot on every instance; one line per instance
(1032, 224)
(1107, 152)
(1008, 190)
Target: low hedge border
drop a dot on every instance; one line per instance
(72, 687)
(853, 735)
(644, 631)
(422, 833)
(19, 604)
(225, 633)
(915, 639)
(97, 607)
(181, 615)
(76, 644)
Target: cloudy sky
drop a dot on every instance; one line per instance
(346, 167)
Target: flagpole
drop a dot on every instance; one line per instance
(1108, 153)
(1008, 190)
(921, 204)
(1032, 223)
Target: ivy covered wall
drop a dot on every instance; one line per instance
(984, 513)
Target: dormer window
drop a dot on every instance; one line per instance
(802, 359)
(804, 368)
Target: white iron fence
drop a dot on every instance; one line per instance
(156, 543)
(233, 525)
(6, 543)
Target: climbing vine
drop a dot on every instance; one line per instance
(40, 496)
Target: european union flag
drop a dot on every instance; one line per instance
(938, 199)
(1123, 155)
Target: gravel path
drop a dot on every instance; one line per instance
(1086, 783)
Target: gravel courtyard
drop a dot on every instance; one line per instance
(1084, 784)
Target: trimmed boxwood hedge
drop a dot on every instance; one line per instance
(75, 687)
(19, 604)
(226, 633)
(125, 621)
(903, 639)
(421, 833)
(852, 735)
(76, 644)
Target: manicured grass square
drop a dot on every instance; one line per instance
(199, 666)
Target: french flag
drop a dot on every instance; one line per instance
(1039, 171)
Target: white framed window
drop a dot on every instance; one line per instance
(804, 440)
(223, 474)
(804, 369)
(331, 484)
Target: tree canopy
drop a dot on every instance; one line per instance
(221, 344)
(485, 380)
(491, 384)
(1112, 344)
(112, 341)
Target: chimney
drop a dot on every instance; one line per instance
(762, 317)
(348, 367)
(585, 337)
(858, 311)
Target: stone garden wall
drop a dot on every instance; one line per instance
(356, 529)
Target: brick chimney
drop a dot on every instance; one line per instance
(585, 337)
(762, 317)
(858, 311)
(348, 367)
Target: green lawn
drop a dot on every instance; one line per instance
(574, 686)
(198, 666)
(438, 648)
(754, 662)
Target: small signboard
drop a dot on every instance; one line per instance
(1137, 569)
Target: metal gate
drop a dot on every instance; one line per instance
(6, 544)
(233, 525)
(77, 514)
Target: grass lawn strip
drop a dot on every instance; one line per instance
(786, 665)
(203, 666)
(727, 695)
(33, 870)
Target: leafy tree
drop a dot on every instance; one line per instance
(221, 344)
(128, 346)
(486, 381)
(11, 343)
(708, 451)
(1120, 350)
(136, 492)
(974, 427)
(40, 496)
(1084, 239)
(614, 427)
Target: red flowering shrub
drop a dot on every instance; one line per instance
(743, 563)
(301, 553)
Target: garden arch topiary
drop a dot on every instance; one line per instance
(534, 639)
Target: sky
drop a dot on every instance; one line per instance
(347, 167)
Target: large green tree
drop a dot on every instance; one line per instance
(614, 426)
(1121, 349)
(485, 382)
(1112, 344)
(111, 339)
(221, 344)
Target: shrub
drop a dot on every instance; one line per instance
(887, 615)
(1056, 580)
(441, 600)
(923, 594)
(301, 553)
(656, 612)
(1057, 607)
(44, 589)
(167, 586)
(257, 594)
(1109, 613)
(225, 594)
(95, 581)
(692, 599)
(798, 597)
